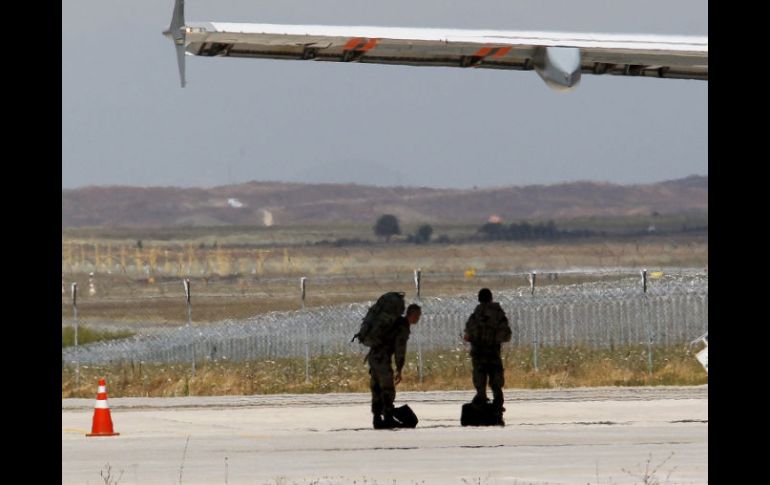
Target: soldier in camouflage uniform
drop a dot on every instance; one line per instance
(382, 383)
(486, 329)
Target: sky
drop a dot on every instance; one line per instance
(126, 120)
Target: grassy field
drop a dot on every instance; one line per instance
(256, 270)
(87, 335)
(257, 236)
(443, 370)
(133, 284)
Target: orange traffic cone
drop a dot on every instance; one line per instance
(102, 420)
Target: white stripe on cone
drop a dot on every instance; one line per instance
(102, 389)
(101, 404)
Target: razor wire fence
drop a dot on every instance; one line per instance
(599, 314)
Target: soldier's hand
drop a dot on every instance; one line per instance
(398, 378)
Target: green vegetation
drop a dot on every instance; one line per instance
(664, 223)
(387, 226)
(88, 335)
(261, 236)
(423, 235)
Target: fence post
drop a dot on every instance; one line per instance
(75, 316)
(648, 322)
(532, 279)
(91, 284)
(417, 282)
(187, 295)
(307, 344)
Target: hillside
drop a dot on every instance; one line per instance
(279, 203)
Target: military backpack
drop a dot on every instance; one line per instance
(380, 318)
(488, 325)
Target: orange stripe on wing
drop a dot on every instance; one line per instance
(501, 51)
(369, 45)
(483, 52)
(353, 43)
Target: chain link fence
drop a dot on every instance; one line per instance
(666, 310)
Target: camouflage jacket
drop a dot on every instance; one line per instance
(487, 328)
(394, 342)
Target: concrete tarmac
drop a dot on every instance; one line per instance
(607, 436)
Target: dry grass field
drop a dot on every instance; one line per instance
(442, 370)
(245, 274)
(233, 282)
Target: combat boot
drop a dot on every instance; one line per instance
(377, 422)
(499, 410)
(389, 422)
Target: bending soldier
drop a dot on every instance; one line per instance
(383, 383)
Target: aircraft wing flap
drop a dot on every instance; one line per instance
(641, 55)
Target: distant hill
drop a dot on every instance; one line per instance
(279, 203)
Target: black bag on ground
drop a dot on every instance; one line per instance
(405, 416)
(481, 415)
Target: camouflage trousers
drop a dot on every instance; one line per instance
(381, 382)
(488, 368)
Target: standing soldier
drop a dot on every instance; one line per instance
(382, 383)
(486, 329)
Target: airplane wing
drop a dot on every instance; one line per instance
(559, 58)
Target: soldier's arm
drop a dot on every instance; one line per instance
(466, 335)
(503, 317)
(401, 339)
(506, 327)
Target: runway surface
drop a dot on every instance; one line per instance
(608, 436)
